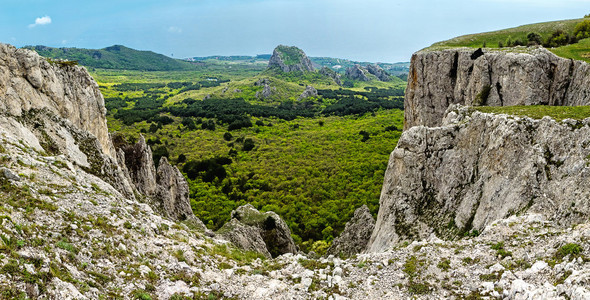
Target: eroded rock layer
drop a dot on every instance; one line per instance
(466, 76)
(477, 168)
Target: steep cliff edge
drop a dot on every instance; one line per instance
(467, 76)
(28, 81)
(477, 168)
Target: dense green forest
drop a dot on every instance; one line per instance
(313, 161)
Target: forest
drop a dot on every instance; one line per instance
(313, 161)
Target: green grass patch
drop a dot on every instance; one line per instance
(578, 51)
(558, 113)
(493, 38)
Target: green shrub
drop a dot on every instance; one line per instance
(582, 30)
(571, 249)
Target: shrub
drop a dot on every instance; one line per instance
(571, 249)
(248, 144)
(534, 39)
(227, 136)
(582, 30)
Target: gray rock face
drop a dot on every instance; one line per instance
(378, 72)
(266, 92)
(244, 236)
(140, 165)
(166, 188)
(173, 192)
(465, 76)
(270, 227)
(290, 59)
(332, 74)
(28, 81)
(478, 168)
(356, 72)
(356, 234)
(310, 91)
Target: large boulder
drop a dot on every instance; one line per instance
(356, 234)
(270, 227)
(310, 91)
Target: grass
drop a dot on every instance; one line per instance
(558, 113)
(492, 38)
(578, 51)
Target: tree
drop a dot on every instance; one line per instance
(534, 39)
(248, 144)
(582, 30)
(181, 158)
(227, 136)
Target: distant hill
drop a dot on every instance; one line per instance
(116, 57)
(337, 64)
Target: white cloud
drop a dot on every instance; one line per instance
(174, 29)
(41, 21)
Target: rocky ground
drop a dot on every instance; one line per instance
(68, 235)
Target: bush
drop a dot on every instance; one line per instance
(248, 144)
(534, 39)
(582, 30)
(571, 249)
(227, 136)
(559, 38)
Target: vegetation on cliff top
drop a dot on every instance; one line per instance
(558, 113)
(565, 38)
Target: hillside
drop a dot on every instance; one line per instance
(115, 57)
(555, 35)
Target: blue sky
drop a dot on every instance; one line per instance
(366, 30)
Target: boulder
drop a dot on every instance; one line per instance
(356, 234)
(270, 228)
(310, 91)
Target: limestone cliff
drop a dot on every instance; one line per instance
(477, 168)
(28, 81)
(467, 76)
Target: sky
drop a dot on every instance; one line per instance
(361, 30)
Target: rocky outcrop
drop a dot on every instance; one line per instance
(139, 164)
(173, 194)
(466, 76)
(356, 72)
(28, 81)
(332, 74)
(166, 188)
(290, 59)
(356, 234)
(270, 228)
(310, 91)
(267, 92)
(244, 237)
(378, 72)
(477, 168)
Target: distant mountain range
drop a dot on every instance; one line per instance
(337, 64)
(121, 57)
